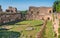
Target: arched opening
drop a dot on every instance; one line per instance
(50, 11)
(7, 10)
(48, 18)
(31, 12)
(11, 11)
(38, 12)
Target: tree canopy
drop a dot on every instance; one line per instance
(24, 12)
(56, 6)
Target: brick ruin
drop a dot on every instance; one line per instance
(11, 9)
(11, 14)
(37, 13)
(34, 13)
(7, 17)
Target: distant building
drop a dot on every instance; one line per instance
(38, 13)
(11, 9)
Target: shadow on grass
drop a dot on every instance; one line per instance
(9, 34)
(3, 29)
(11, 23)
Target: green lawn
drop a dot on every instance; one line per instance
(31, 22)
(21, 26)
(53, 17)
(59, 29)
(36, 24)
(49, 33)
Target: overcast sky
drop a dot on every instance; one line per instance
(24, 4)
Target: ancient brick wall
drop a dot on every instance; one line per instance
(58, 15)
(7, 17)
(38, 13)
(11, 9)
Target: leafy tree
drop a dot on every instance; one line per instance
(24, 12)
(56, 6)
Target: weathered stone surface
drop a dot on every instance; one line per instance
(8, 17)
(38, 13)
(11, 9)
(29, 28)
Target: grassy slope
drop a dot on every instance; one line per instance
(49, 30)
(59, 29)
(24, 24)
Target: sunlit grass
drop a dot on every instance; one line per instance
(21, 26)
(49, 30)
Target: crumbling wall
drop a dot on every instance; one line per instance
(37, 13)
(8, 17)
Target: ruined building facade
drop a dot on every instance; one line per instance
(37, 13)
(11, 14)
(34, 13)
(11, 9)
(8, 17)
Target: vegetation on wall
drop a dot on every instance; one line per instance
(59, 30)
(49, 33)
(56, 6)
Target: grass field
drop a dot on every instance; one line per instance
(21, 26)
(49, 33)
(59, 29)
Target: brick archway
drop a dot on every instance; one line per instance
(48, 18)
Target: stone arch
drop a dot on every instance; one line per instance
(50, 11)
(48, 18)
(7, 10)
(31, 12)
(37, 12)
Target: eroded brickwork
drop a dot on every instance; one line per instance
(34, 13)
(8, 17)
(38, 13)
(11, 9)
(11, 14)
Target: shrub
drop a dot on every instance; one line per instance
(58, 30)
(58, 36)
